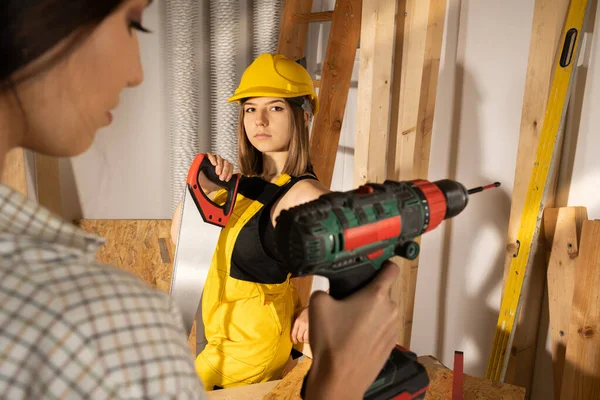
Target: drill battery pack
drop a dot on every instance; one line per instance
(402, 378)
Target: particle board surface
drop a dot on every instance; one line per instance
(440, 387)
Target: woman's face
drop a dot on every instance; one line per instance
(67, 104)
(268, 124)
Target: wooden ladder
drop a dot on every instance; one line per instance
(333, 86)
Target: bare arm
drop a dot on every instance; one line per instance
(302, 192)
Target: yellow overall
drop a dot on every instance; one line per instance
(247, 323)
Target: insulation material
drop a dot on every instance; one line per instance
(183, 90)
(209, 43)
(267, 16)
(224, 40)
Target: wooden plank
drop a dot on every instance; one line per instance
(563, 228)
(413, 17)
(14, 173)
(292, 41)
(142, 247)
(420, 32)
(333, 93)
(335, 84)
(548, 20)
(581, 376)
(440, 385)
(374, 90)
(47, 176)
(292, 34)
(323, 16)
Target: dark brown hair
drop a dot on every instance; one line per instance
(29, 28)
(298, 161)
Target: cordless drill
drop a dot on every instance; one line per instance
(347, 236)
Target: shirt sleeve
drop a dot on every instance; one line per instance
(114, 337)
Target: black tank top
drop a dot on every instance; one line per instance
(254, 257)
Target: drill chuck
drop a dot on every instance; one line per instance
(456, 196)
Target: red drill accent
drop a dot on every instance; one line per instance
(410, 396)
(436, 200)
(360, 236)
(375, 254)
(364, 189)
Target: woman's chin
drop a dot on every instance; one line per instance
(268, 148)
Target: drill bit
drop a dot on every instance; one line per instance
(482, 188)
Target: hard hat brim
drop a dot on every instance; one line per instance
(266, 92)
(270, 92)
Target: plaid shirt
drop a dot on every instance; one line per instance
(71, 328)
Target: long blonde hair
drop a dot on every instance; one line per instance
(298, 161)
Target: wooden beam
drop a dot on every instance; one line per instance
(47, 176)
(420, 32)
(333, 93)
(581, 377)
(548, 20)
(335, 84)
(374, 90)
(14, 173)
(292, 34)
(413, 16)
(562, 227)
(292, 41)
(313, 17)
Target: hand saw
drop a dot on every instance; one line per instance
(200, 224)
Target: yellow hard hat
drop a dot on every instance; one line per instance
(274, 75)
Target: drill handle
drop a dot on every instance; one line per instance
(342, 285)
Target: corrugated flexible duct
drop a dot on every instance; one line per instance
(182, 25)
(224, 43)
(205, 59)
(267, 16)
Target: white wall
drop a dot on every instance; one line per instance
(475, 137)
(126, 172)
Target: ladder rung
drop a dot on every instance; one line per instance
(313, 17)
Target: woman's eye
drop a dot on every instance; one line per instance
(249, 109)
(138, 27)
(277, 108)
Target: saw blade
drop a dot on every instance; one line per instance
(196, 242)
(200, 224)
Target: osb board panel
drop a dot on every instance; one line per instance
(440, 385)
(142, 247)
(251, 392)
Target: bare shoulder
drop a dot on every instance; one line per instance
(302, 192)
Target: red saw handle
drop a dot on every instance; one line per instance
(211, 212)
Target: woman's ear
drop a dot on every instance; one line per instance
(306, 118)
